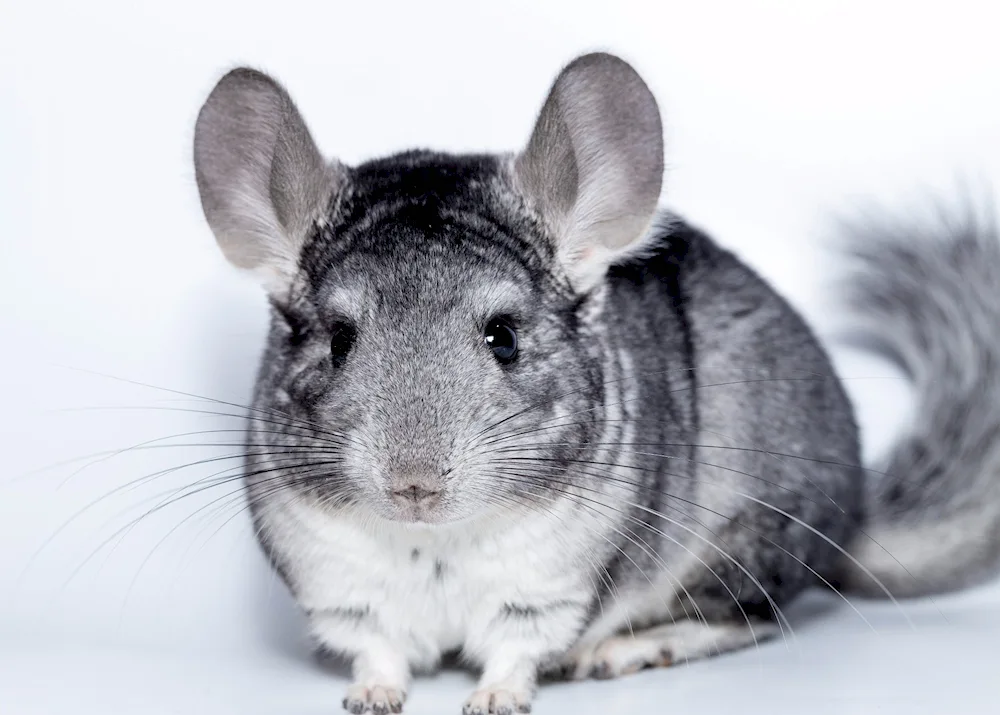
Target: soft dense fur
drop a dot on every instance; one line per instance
(668, 461)
(927, 295)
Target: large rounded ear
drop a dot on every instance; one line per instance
(594, 164)
(263, 182)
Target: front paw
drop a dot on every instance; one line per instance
(377, 699)
(497, 701)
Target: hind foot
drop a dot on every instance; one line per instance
(659, 647)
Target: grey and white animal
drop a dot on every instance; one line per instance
(511, 412)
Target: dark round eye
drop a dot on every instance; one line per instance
(501, 338)
(341, 342)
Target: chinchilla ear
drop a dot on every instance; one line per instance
(594, 164)
(263, 182)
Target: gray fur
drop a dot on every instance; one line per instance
(927, 295)
(670, 455)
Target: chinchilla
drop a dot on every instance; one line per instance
(509, 410)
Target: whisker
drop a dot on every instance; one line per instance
(126, 529)
(777, 485)
(286, 421)
(810, 377)
(154, 443)
(251, 408)
(777, 510)
(547, 476)
(779, 614)
(773, 454)
(297, 477)
(127, 486)
(649, 551)
(546, 473)
(639, 420)
(606, 577)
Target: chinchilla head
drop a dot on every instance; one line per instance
(432, 314)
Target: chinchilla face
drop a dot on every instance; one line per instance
(436, 318)
(427, 336)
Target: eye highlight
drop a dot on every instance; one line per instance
(341, 341)
(501, 338)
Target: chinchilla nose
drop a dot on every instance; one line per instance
(416, 493)
(414, 483)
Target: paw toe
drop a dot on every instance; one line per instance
(602, 670)
(503, 703)
(497, 702)
(355, 706)
(468, 709)
(379, 700)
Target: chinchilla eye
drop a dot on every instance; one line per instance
(341, 342)
(501, 338)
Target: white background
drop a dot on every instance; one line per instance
(778, 115)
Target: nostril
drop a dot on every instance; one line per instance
(415, 493)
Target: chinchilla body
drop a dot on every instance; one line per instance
(510, 410)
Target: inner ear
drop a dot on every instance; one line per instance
(263, 183)
(593, 166)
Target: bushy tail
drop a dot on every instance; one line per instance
(928, 297)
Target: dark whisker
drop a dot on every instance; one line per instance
(639, 420)
(126, 529)
(297, 478)
(132, 484)
(810, 376)
(250, 408)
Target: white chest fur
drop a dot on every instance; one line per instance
(429, 590)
